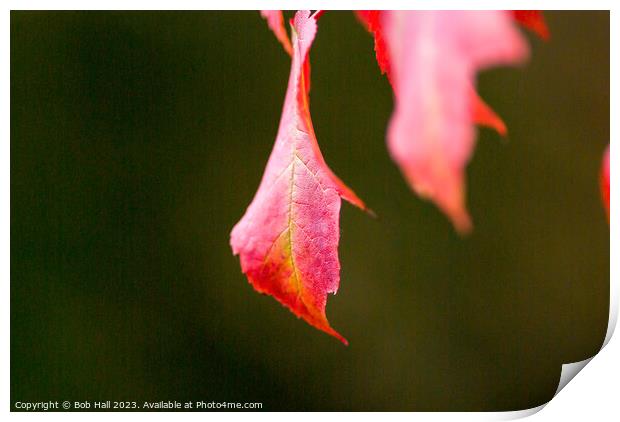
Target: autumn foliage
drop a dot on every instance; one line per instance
(287, 241)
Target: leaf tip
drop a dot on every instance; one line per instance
(463, 224)
(371, 213)
(533, 20)
(337, 335)
(484, 115)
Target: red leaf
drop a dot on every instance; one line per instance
(605, 181)
(534, 21)
(275, 21)
(372, 21)
(434, 58)
(482, 114)
(287, 240)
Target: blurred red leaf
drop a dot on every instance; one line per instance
(534, 21)
(434, 58)
(275, 21)
(605, 181)
(482, 113)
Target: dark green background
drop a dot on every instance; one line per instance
(139, 138)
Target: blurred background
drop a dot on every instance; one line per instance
(139, 138)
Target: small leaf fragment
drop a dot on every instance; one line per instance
(372, 21)
(534, 21)
(484, 115)
(604, 181)
(275, 21)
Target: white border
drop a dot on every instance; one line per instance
(593, 394)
